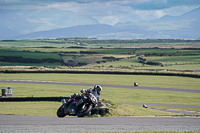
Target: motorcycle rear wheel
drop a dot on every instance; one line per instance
(60, 112)
(85, 111)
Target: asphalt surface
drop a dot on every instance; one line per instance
(104, 85)
(12, 123)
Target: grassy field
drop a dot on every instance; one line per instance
(175, 60)
(100, 54)
(154, 81)
(169, 62)
(33, 55)
(50, 108)
(93, 52)
(115, 95)
(96, 43)
(164, 51)
(118, 59)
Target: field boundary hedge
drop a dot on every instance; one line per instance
(27, 99)
(163, 73)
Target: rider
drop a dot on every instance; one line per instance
(96, 91)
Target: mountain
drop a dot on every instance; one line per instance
(15, 22)
(167, 27)
(184, 26)
(75, 31)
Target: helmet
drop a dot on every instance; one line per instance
(98, 88)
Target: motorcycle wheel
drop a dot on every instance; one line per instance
(60, 112)
(82, 112)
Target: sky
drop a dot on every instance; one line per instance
(48, 14)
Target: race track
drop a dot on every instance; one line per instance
(114, 86)
(12, 123)
(104, 85)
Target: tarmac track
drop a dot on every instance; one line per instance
(12, 123)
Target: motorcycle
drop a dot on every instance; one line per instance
(79, 106)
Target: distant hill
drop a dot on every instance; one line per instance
(168, 27)
(75, 31)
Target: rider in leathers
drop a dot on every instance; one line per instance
(96, 91)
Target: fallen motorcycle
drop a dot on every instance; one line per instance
(79, 106)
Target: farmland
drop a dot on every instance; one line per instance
(170, 54)
(82, 54)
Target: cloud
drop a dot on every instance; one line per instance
(51, 14)
(162, 4)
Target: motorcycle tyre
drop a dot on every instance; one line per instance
(86, 112)
(60, 112)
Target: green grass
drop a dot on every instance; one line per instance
(169, 62)
(33, 55)
(175, 59)
(111, 94)
(94, 43)
(35, 49)
(46, 50)
(29, 108)
(41, 90)
(14, 53)
(114, 51)
(50, 108)
(29, 64)
(147, 80)
(125, 62)
(116, 95)
(33, 43)
(90, 58)
(164, 51)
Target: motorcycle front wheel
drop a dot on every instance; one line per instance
(60, 112)
(84, 110)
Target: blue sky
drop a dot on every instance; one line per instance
(51, 14)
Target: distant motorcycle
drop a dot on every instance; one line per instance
(79, 106)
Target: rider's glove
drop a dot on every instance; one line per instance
(90, 90)
(83, 91)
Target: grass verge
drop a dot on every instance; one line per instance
(50, 108)
(113, 79)
(116, 95)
